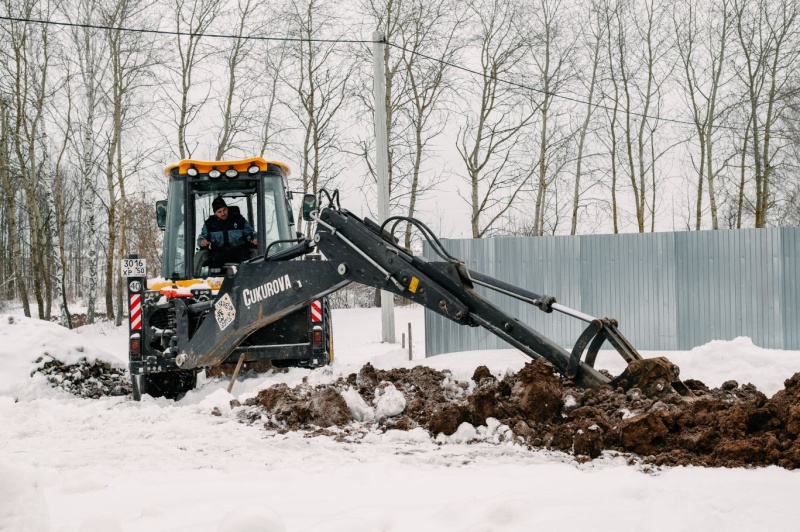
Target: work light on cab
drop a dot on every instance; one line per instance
(231, 173)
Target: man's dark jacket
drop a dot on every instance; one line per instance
(229, 237)
(234, 232)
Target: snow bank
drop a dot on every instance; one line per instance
(739, 360)
(23, 341)
(70, 464)
(712, 363)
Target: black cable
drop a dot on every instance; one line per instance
(362, 41)
(179, 33)
(556, 95)
(429, 236)
(333, 200)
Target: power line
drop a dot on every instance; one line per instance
(363, 41)
(562, 96)
(179, 33)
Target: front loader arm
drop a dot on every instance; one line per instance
(358, 250)
(253, 295)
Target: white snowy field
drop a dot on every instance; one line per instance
(69, 464)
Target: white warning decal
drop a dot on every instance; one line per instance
(224, 312)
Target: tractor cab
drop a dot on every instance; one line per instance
(187, 294)
(254, 188)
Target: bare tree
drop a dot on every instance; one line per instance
(609, 14)
(422, 43)
(702, 43)
(321, 85)
(392, 17)
(10, 200)
(642, 67)
(57, 209)
(239, 89)
(192, 18)
(551, 47)
(91, 58)
(769, 50)
(143, 233)
(28, 61)
(271, 128)
(132, 58)
(487, 137)
(593, 45)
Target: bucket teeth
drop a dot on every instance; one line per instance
(655, 377)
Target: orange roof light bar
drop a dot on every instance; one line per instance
(240, 165)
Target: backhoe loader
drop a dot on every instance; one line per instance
(262, 307)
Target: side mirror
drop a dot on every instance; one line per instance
(161, 214)
(309, 206)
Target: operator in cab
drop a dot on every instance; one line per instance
(228, 237)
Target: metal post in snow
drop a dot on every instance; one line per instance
(382, 167)
(410, 349)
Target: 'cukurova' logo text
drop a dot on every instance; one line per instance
(266, 290)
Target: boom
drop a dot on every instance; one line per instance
(261, 291)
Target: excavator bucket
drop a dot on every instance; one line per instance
(656, 377)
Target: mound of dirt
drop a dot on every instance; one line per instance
(732, 426)
(91, 380)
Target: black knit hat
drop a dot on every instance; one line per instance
(217, 204)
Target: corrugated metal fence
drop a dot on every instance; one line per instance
(669, 291)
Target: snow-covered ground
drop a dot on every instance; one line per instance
(69, 464)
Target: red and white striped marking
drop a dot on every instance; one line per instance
(136, 312)
(316, 311)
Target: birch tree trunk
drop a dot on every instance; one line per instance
(89, 48)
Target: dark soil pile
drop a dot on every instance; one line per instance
(732, 426)
(91, 380)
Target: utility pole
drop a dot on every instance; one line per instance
(382, 167)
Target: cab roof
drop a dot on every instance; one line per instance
(240, 165)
